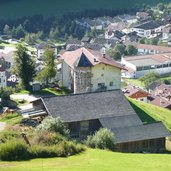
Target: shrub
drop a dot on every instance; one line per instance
(48, 138)
(40, 151)
(103, 139)
(17, 150)
(12, 150)
(63, 149)
(53, 125)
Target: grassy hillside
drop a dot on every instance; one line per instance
(20, 8)
(149, 113)
(95, 160)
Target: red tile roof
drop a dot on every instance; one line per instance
(162, 102)
(158, 57)
(154, 47)
(135, 92)
(95, 57)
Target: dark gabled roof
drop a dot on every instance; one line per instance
(153, 85)
(45, 45)
(86, 39)
(148, 25)
(89, 106)
(140, 132)
(120, 122)
(83, 61)
(118, 34)
(94, 46)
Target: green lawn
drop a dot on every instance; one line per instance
(149, 113)
(95, 160)
(135, 82)
(11, 119)
(138, 83)
(52, 91)
(18, 8)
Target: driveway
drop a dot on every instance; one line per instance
(26, 97)
(2, 126)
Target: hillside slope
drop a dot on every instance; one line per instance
(149, 113)
(21, 8)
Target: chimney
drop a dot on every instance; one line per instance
(104, 52)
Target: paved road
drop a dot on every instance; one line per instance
(2, 126)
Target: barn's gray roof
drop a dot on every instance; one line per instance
(140, 132)
(89, 106)
(121, 122)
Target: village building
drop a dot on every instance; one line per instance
(152, 49)
(7, 58)
(136, 93)
(86, 70)
(149, 29)
(40, 48)
(161, 102)
(166, 33)
(140, 65)
(143, 16)
(86, 113)
(3, 78)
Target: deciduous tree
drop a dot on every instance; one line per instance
(49, 71)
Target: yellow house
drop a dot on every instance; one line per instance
(85, 70)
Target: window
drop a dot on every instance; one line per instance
(101, 85)
(147, 67)
(103, 68)
(165, 65)
(84, 126)
(139, 68)
(111, 83)
(159, 66)
(102, 75)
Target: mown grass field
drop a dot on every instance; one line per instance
(20, 8)
(95, 160)
(149, 113)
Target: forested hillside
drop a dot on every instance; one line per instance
(20, 8)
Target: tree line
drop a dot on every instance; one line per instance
(55, 27)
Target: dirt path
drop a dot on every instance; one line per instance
(2, 126)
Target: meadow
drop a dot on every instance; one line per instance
(95, 160)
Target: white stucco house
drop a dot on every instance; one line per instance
(3, 79)
(149, 29)
(140, 65)
(42, 47)
(166, 33)
(85, 70)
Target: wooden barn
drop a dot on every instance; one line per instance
(86, 113)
